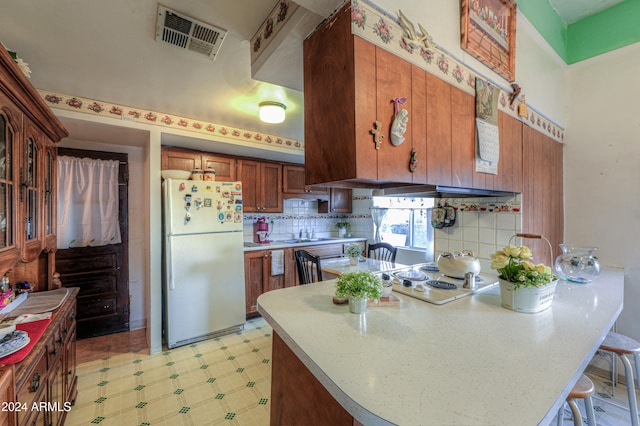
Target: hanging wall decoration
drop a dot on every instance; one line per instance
(400, 119)
(488, 33)
(488, 138)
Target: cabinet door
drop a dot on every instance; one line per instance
(7, 394)
(340, 200)
(253, 279)
(290, 269)
(293, 180)
(438, 131)
(509, 177)
(249, 174)
(9, 139)
(271, 187)
(418, 120)
(463, 139)
(70, 380)
(56, 390)
(50, 191)
(272, 282)
(180, 159)
(225, 167)
(393, 80)
(31, 192)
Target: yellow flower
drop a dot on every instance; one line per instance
(543, 269)
(512, 251)
(498, 253)
(525, 252)
(528, 266)
(499, 261)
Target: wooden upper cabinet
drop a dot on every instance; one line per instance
(180, 159)
(293, 183)
(261, 186)
(463, 141)
(393, 81)
(50, 194)
(438, 131)
(349, 85)
(10, 133)
(225, 167)
(31, 228)
(509, 177)
(418, 120)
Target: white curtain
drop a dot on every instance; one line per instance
(377, 214)
(87, 202)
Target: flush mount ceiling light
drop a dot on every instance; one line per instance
(272, 112)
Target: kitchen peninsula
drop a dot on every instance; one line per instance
(467, 362)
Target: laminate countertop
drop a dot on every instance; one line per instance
(299, 242)
(468, 362)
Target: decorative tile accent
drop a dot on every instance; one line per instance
(204, 367)
(169, 364)
(220, 396)
(178, 391)
(100, 400)
(141, 404)
(211, 380)
(263, 401)
(104, 370)
(231, 358)
(103, 383)
(184, 410)
(174, 376)
(125, 113)
(230, 416)
(97, 420)
(139, 387)
(251, 384)
(137, 361)
(197, 355)
(240, 370)
(138, 373)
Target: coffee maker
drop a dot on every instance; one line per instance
(261, 231)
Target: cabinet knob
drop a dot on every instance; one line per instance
(35, 382)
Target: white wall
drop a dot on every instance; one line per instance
(602, 167)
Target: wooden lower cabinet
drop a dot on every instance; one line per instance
(259, 279)
(44, 384)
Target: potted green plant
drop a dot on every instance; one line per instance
(353, 251)
(359, 287)
(524, 286)
(342, 228)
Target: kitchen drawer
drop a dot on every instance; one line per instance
(34, 387)
(54, 346)
(65, 267)
(92, 284)
(325, 250)
(94, 307)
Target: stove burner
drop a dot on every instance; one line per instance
(443, 285)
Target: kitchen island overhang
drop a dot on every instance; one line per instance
(468, 362)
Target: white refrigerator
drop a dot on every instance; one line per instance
(203, 291)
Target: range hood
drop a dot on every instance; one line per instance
(438, 191)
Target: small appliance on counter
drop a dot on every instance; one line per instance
(261, 231)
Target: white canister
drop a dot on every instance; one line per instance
(209, 174)
(196, 174)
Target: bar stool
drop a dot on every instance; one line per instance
(584, 389)
(622, 346)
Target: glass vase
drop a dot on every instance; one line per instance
(577, 264)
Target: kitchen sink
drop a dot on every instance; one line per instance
(248, 244)
(304, 240)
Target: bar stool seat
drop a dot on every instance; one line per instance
(622, 346)
(583, 389)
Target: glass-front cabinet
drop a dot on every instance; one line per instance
(50, 191)
(32, 192)
(8, 135)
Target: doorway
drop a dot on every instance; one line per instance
(101, 273)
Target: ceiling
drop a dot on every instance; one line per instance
(107, 51)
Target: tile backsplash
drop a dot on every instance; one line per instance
(303, 215)
(483, 227)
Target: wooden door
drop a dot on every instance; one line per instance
(180, 159)
(101, 273)
(271, 187)
(249, 174)
(438, 131)
(253, 279)
(225, 167)
(393, 80)
(463, 140)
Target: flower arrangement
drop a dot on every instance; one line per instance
(513, 264)
(344, 225)
(353, 250)
(359, 285)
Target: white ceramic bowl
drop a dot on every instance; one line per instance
(175, 174)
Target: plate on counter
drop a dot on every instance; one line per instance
(13, 342)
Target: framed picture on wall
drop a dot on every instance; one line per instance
(488, 33)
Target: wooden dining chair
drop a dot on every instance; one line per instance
(382, 251)
(308, 267)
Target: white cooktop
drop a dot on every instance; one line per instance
(419, 288)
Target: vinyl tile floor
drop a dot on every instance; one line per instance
(226, 380)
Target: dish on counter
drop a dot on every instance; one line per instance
(412, 275)
(13, 342)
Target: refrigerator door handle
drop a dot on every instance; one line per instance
(169, 269)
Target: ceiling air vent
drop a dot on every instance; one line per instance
(188, 33)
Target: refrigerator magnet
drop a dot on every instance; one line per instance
(221, 217)
(238, 186)
(237, 218)
(194, 188)
(182, 186)
(208, 188)
(207, 202)
(228, 217)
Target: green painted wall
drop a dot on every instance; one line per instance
(610, 29)
(547, 22)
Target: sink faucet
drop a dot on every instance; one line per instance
(300, 234)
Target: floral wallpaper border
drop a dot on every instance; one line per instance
(271, 26)
(378, 27)
(124, 113)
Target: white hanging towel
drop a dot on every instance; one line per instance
(277, 262)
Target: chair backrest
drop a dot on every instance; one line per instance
(382, 251)
(308, 267)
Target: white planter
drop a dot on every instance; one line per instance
(342, 232)
(358, 306)
(353, 260)
(528, 300)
